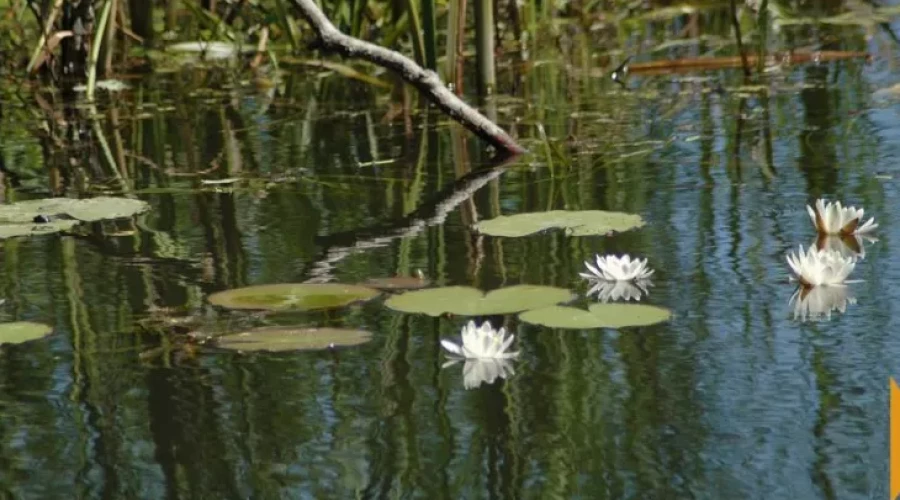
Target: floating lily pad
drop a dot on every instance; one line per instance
(597, 316)
(293, 296)
(52, 215)
(281, 338)
(397, 283)
(20, 332)
(467, 301)
(579, 223)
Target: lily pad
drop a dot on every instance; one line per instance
(52, 215)
(19, 332)
(467, 301)
(281, 338)
(575, 223)
(397, 283)
(293, 296)
(597, 316)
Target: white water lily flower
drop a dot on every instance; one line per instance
(817, 303)
(832, 218)
(614, 290)
(482, 343)
(820, 267)
(483, 371)
(612, 268)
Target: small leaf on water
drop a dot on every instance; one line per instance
(52, 215)
(467, 301)
(575, 223)
(597, 316)
(293, 296)
(283, 338)
(19, 332)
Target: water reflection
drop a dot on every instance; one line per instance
(676, 410)
(850, 245)
(483, 371)
(818, 303)
(610, 291)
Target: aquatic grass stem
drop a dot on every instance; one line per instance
(484, 42)
(287, 24)
(453, 35)
(763, 27)
(736, 25)
(415, 31)
(95, 50)
(429, 29)
(45, 32)
(104, 146)
(109, 40)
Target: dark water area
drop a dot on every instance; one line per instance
(733, 397)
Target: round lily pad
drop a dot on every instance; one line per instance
(293, 296)
(467, 301)
(282, 338)
(597, 316)
(575, 223)
(52, 215)
(19, 332)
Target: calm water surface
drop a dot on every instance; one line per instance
(732, 398)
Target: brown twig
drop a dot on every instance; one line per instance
(669, 66)
(45, 32)
(260, 48)
(428, 82)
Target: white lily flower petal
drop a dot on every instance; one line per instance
(450, 346)
(614, 290)
(613, 268)
(833, 218)
(816, 267)
(870, 225)
(482, 343)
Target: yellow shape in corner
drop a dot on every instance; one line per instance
(895, 439)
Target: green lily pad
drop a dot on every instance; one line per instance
(293, 296)
(18, 219)
(575, 223)
(467, 301)
(397, 283)
(612, 315)
(281, 338)
(19, 332)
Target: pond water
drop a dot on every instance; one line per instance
(733, 397)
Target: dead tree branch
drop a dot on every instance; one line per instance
(330, 39)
